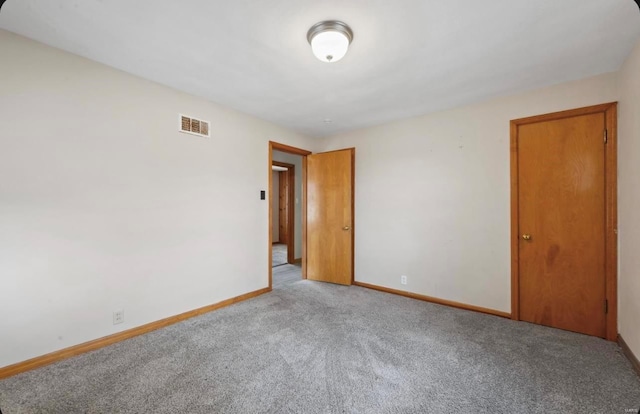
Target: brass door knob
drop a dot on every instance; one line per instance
(526, 237)
(346, 228)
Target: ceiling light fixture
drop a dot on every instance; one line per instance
(330, 40)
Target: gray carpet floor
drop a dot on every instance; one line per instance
(279, 254)
(285, 276)
(310, 347)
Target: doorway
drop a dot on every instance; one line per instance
(327, 209)
(563, 220)
(286, 156)
(283, 213)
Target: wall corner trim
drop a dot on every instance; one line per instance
(629, 354)
(95, 344)
(435, 300)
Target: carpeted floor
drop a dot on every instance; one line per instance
(279, 254)
(310, 347)
(285, 276)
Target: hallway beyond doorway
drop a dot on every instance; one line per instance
(279, 254)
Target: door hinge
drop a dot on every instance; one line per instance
(606, 306)
(606, 136)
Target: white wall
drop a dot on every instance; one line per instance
(297, 216)
(275, 211)
(629, 201)
(432, 194)
(105, 205)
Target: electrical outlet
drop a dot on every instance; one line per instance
(118, 317)
(403, 279)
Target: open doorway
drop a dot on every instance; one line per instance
(284, 203)
(324, 252)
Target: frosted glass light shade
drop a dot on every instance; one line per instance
(330, 40)
(330, 46)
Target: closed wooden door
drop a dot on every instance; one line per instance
(561, 228)
(283, 206)
(330, 217)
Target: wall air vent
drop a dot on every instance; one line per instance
(194, 126)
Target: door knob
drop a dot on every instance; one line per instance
(526, 237)
(346, 228)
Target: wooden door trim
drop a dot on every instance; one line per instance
(290, 209)
(353, 215)
(609, 110)
(282, 164)
(611, 226)
(304, 217)
(276, 146)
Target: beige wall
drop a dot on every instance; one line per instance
(104, 205)
(629, 201)
(432, 194)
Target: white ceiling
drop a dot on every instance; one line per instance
(408, 57)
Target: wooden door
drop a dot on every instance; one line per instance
(562, 222)
(330, 216)
(283, 206)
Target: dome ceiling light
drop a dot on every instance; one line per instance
(330, 40)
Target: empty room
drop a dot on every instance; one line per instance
(366, 206)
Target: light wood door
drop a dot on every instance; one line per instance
(283, 206)
(561, 210)
(330, 216)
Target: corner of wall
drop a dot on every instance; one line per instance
(628, 199)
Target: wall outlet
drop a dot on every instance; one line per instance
(118, 317)
(403, 279)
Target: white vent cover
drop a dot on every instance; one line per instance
(194, 126)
